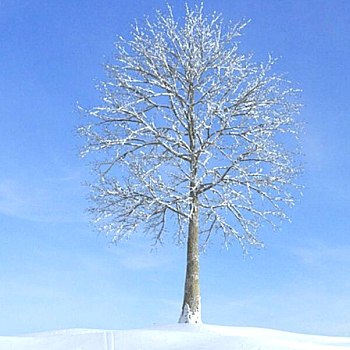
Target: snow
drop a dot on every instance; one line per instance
(174, 337)
(188, 316)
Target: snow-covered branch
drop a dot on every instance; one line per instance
(187, 118)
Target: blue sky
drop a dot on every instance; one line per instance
(57, 273)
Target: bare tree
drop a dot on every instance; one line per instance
(189, 135)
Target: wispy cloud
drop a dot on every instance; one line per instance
(322, 254)
(143, 261)
(137, 255)
(43, 200)
(73, 176)
(10, 199)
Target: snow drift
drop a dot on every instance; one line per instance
(174, 337)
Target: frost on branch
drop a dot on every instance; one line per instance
(188, 118)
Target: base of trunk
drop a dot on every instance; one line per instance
(190, 316)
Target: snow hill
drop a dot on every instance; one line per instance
(174, 337)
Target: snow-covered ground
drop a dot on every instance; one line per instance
(174, 337)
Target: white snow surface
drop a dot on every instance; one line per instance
(174, 337)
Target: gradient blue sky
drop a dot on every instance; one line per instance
(57, 273)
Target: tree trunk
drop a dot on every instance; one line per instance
(191, 307)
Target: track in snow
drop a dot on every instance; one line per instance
(109, 340)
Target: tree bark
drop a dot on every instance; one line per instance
(191, 307)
